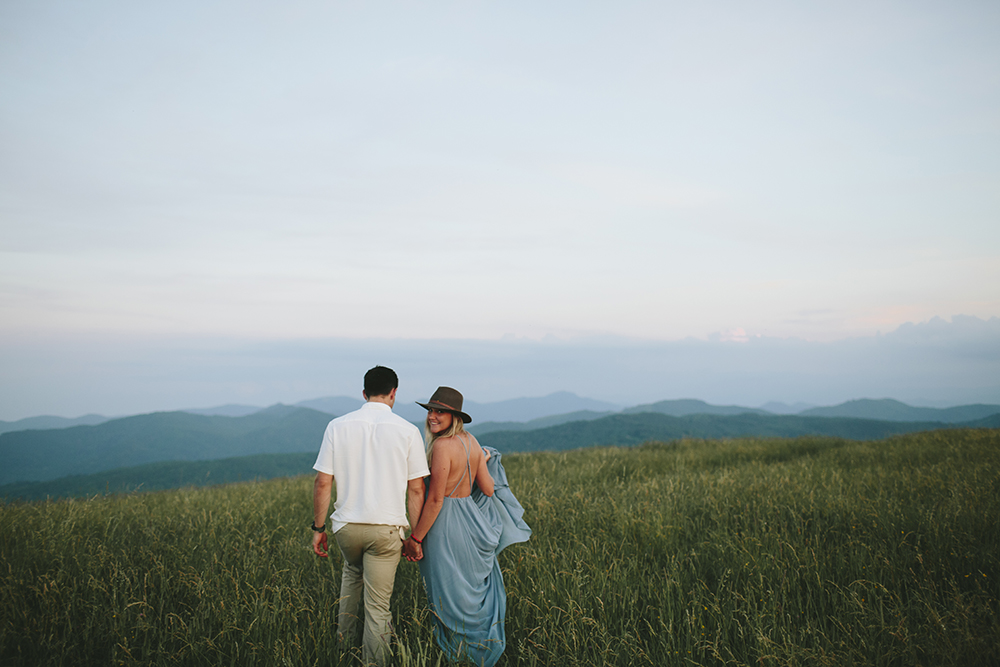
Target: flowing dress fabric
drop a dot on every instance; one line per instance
(461, 573)
(514, 529)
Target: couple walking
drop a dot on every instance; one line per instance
(460, 517)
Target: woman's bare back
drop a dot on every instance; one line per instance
(453, 453)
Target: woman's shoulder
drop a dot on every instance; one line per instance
(459, 442)
(458, 438)
(447, 444)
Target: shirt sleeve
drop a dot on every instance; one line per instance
(416, 461)
(324, 461)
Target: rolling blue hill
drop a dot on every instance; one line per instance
(160, 436)
(692, 406)
(170, 449)
(46, 422)
(634, 429)
(541, 422)
(616, 430)
(893, 410)
(164, 475)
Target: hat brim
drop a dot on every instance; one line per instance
(434, 405)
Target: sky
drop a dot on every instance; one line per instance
(209, 203)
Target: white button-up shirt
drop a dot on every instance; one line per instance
(372, 453)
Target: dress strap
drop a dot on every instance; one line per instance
(468, 467)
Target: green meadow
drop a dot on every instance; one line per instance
(806, 551)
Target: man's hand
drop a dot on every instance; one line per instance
(321, 503)
(319, 544)
(412, 551)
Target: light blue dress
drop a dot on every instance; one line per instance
(461, 573)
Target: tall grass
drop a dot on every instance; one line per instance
(743, 552)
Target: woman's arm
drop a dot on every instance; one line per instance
(440, 468)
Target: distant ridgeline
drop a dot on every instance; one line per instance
(172, 449)
(161, 436)
(633, 429)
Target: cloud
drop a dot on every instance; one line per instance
(737, 335)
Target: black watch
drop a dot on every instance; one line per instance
(318, 529)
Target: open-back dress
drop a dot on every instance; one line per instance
(461, 573)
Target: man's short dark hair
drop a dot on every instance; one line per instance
(379, 381)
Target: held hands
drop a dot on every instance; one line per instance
(412, 551)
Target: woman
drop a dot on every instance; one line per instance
(468, 517)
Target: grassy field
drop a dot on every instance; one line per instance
(741, 552)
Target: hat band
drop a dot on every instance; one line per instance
(446, 405)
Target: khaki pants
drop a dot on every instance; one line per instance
(371, 553)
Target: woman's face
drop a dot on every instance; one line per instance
(439, 420)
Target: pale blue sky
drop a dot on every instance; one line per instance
(406, 171)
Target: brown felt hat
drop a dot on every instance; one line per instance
(448, 399)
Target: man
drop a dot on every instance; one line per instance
(377, 460)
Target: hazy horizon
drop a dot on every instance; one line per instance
(935, 363)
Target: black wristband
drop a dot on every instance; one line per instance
(319, 529)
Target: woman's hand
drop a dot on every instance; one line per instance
(412, 551)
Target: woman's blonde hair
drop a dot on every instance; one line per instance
(457, 426)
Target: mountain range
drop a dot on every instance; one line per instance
(160, 436)
(513, 410)
(616, 429)
(563, 406)
(186, 438)
(636, 428)
(893, 410)
(45, 422)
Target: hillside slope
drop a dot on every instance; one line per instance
(637, 428)
(541, 422)
(692, 406)
(892, 410)
(163, 476)
(621, 430)
(48, 422)
(161, 436)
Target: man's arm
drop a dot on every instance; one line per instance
(416, 464)
(415, 500)
(415, 505)
(321, 505)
